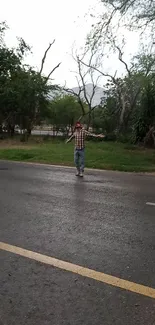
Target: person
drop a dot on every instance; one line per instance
(79, 151)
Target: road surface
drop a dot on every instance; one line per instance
(104, 222)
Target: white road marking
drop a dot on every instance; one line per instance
(150, 203)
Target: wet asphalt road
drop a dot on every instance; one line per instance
(100, 222)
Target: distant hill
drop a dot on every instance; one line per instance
(99, 94)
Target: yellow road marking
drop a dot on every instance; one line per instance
(83, 271)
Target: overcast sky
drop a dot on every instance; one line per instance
(67, 21)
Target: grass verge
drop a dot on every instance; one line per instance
(101, 155)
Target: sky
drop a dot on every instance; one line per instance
(67, 21)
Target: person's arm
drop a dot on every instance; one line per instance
(70, 139)
(94, 135)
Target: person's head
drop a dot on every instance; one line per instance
(78, 126)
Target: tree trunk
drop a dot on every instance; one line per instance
(149, 139)
(29, 130)
(89, 119)
(11, 131)
(1, 132)
(1, 129)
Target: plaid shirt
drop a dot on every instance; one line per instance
(80, 138)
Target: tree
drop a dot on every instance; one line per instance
(10, 65)
(23, 91)
(128, 88)
(43, 62)
(105, 118)
(140, 11)
(78, 96)
(144, 115)
(84, 75)
(131, 99)
(64, 111)
(32, 90)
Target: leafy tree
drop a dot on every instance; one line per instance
(23, 91)
(31, 95)
(65, 110)
(144, 115)
(106, 118)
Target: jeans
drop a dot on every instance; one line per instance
(79, 155)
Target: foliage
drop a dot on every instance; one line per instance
(127, 111)
(139, 10)
(105, 118)
(144, 115)
(23, 91)
(64, 111)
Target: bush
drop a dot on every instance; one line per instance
(47, 137)
(110, 137)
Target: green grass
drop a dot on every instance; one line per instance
(102, 155)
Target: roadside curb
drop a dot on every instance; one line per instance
(71, 167)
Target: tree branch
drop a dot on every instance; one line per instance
(82, 80)
(120, 53)
(99, 71)
(78, 96)
(56, 67)
(44, 57)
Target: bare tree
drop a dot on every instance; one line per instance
(78, 95)
(84, 75)
(43, 62)
(127, 88)
(119, 85)
(42, 67)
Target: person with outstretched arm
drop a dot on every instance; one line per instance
(79, 151)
